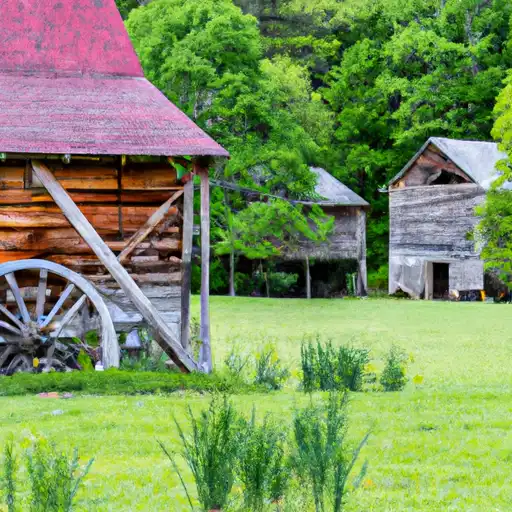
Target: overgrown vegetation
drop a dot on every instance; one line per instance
(263, 469)
(117, 382)
(54, 478)
(394, 377)
(326, 368)
(321, 457)
(211, 452)
(355, 86)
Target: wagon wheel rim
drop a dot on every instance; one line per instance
(35, 327)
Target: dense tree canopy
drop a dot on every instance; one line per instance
(353, 85)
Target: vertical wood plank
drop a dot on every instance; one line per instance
(205, 360)
(186, 262)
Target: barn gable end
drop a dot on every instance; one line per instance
(432, 205)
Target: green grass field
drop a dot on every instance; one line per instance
(444, 446)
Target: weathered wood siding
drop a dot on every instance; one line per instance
(117, 197)
(345, 242)
(432, 223)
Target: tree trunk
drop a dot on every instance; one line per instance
(232, 291)
(308, 279)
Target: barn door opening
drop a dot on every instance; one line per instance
(441, 280)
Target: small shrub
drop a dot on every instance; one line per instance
(326, 368)
(393, 377)
(269, 370)
(262, 466)
(10, 466)
(321, 458)
(281, 283)
(236, 362)
(54, 476)
(210, 452)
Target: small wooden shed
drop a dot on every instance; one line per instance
(95, 222)
(348, 239)
(432, 203)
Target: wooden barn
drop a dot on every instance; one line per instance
(96, 205)
(348, 239)
(432, 204)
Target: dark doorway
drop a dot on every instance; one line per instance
(441, 273)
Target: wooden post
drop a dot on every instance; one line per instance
(165, 336)
(186, 262)
(362, 279)
(308, 279)
(205, 359)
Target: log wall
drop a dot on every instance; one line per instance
(117, 197)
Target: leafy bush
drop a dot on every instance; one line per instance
(211, 452)
(117, 382)
(262, 466)
(321, 458)
(281, 283)
(269, 370)
(54, 478)
(327, 368)
(393, 377)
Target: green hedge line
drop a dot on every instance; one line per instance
(116, 382)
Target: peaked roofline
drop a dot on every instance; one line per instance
(442, 143)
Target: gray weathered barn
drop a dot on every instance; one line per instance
(432, 204)
(348, 240)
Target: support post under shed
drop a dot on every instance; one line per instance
(308, 279)
(205, 359)
(186, 261)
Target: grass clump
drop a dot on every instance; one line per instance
(394, 377)
(263, 470)
(269, 370)
(327, 368)
(321, 457)
(54, 478)
(210, 452)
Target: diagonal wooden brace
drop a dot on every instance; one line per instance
(167, 339)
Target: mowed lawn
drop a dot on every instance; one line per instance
(443, 446)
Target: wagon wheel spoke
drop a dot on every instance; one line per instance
(11, 317)
(71, 314)
(33, 319)
(9, 327)
(20, 363)
(41, 293)
(65, 294)
(13, 285)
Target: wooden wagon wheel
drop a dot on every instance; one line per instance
(23, 332)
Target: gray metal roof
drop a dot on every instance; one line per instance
(333, 192)
(477, 159)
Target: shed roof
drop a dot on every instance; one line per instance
(70, 82)
(333, 192)
(477, 159)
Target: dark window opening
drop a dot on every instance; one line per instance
(441, 276)
(448, 178)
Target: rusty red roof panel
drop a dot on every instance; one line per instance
(80, 36)
(70, 82)
(95, 116)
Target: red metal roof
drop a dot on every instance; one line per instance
(70, 82)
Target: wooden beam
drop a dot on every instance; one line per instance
(362, 275)
(164, 335)
(308, 279)
(148, 227)
(205, 359)
(186, 262)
